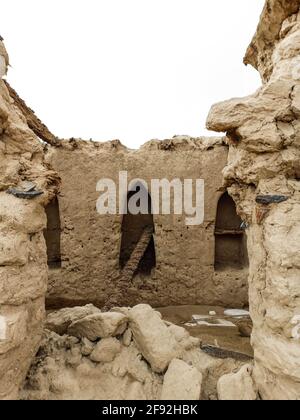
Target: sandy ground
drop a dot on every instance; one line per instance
(227, 338)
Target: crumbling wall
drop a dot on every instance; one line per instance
(263, 176)
(91, 243)
(23, 267)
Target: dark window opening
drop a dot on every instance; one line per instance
(133, 227)
(230, 238)
(52, 234)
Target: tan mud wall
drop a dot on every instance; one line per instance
(264, 158)
(90, 243)
(23, 265)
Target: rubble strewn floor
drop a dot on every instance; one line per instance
(127, 353)
(228, 338)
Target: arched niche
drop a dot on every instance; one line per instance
(53, 234)
(230, 238)
(133, 226)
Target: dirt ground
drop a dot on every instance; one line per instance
(227, 338)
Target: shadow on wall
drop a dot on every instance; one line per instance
(133, 226)
(231, 244)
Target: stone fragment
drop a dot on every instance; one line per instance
(199, 317)
(87, 347)
(106, 350)
(181, 382)
(99, 325)
(59, 321)
(245, 327)
(127, 337)
(213, 323)
(70, 342)
(236, 313)
(74, 357)
(237, 386)
(28, 186)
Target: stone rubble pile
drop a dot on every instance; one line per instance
(128, 353)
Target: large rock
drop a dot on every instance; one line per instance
(99, 325)
(181, 382)
(155, 340)
(212, 369)
(237, 386)
(59, 321)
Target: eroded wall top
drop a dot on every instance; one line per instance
(259, 52)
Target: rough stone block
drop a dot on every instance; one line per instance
(59, 321)
(156, 342)
(99, 325)
(181, 382)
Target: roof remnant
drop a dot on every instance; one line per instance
(34, 123)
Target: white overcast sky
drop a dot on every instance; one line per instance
(132, 70)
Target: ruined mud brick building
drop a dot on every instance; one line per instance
(205, 264)
(57, 241)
